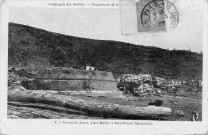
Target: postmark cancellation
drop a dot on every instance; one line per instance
(151, 16)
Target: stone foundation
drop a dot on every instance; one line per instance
(72, 80)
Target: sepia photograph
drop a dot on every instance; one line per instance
(106, 60)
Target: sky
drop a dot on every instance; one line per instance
(104, 24)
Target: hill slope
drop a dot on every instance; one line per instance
(36, 48)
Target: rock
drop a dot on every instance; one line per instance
(180, 113)
(158, 91)
(193, 94)
(173, 102)
(156, 103)
(17, 87)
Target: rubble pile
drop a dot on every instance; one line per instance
(139, 84)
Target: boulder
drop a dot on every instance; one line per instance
(180, 113)
(156, 103)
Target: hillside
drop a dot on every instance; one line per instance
(35, 48)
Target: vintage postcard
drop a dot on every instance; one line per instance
(103, 67)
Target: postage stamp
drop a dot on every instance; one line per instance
(151, 16)
(103, 66)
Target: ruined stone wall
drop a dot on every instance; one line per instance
(71, 79)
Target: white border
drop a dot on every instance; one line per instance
(39, 126)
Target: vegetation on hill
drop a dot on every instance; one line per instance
(35, 48)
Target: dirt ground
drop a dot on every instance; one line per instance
(25, 112)
(186, 104)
